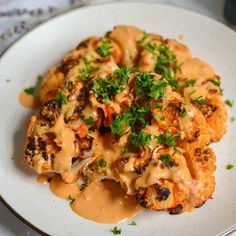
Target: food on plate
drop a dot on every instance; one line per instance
(131, 109)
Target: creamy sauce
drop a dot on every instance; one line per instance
(105, 202)
(29, 100)
(62, 189)
(65, 139)
(42, 179)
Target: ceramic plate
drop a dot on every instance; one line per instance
(30, 56)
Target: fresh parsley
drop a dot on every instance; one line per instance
(104, 49)
(101, 164)
(89, 121)
(229, 166)
(216, 82)
(232, 119)
(140, 139)
(145, 85)
(183, 112)
(143, 39)
(190, 83)
(88, 71)
(61, 97)
(167, 139)
(229, 103)
(29, 90)
(165, 158)
(133, 223)
(69, 84)
(116, 230)
(199, 101)
(70, 199)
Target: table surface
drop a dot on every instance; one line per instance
(9, 224)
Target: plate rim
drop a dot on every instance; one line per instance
(217, 20)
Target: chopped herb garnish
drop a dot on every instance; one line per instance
(229, 166)
(162, 118)
(61, 97)
(104, 49)
(69, 84)
(199, 101)
(145, 36)
(167, 139)
(232, 119)
(100, 164)
(29, 90)
(89, 121)
(145, 85)
(183, 112)
(189, 83)
(90, 131)
(230, 103)
(115, 84)
(116, 230)
(140, 139)
(133, 223)
(125, 151)
(192, 92)
(39, 78)
(88, 71)
(165, 158)
(215, 82)
(70, 199)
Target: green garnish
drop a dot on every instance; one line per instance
(145, 36)
(145, 85)
(90, 131)
(29, 90)
(69, 84)
(183, 112)
(230, 103)
(162, 118)
(232, 119)
(165, 158)
(229, 166)
(116, 230)
(130, 118)
(89, 121)
(167, 139)
(104, 49)
(133, 223)
(87, 72)
(115, 84)
(140, 139)
(39, 78)
(61, 97)
(191, 93)
(215, 82)
(189, 83)
(125, 151)
(70, 199)
(100, 164)
(199, 101)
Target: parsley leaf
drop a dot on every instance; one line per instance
(100, 164)
(216, 82)
(116, 230)
(230, 103)
(165, 158)
(145, 85)
(70, 199)
(199, 101)
(140, 139)
(118, 125)
(167, 139)
(232, 119)
(61, 97)
(87, 72)
(122, 74)
(183, 112)
(145, 36)
(29, 90)
(190, 83)
(69, 84)
(104, 49)
(133, 223)
(229, 166)
(89, 121)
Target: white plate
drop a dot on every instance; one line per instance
(45, 45)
